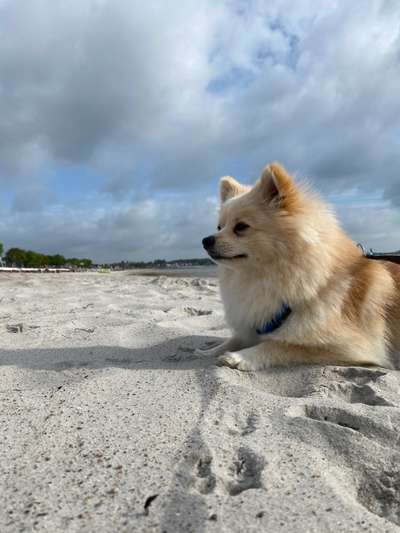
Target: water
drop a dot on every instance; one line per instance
(184, 272)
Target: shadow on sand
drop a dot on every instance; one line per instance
(174, 354)
(182, 509)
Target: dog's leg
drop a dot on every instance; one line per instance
(273, 353)
(232, 344)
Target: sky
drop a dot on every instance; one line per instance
(117, 117)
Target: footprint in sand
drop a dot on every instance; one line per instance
(205, 479)
(251, 425)
(331, 418)
(237, 425)
(245, 471)
(365, 445)
(380, 492)
(192, 311)
(360, 385)
(195, 472)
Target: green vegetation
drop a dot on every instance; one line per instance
(84, 263)
(30, 259)
(162, 263)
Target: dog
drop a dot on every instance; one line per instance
(295, 288)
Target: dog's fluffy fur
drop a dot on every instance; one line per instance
(345, 307)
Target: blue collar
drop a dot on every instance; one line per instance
(276, 321)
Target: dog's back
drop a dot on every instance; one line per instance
(393, 313)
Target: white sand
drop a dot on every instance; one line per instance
(110, 422)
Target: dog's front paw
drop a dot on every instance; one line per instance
(235, 360)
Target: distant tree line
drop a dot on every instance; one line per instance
(162, 263)
(30, 259)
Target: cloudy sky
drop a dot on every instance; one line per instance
(117, 117)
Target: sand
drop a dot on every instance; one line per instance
(111, 423)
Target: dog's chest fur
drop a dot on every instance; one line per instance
(248, 302)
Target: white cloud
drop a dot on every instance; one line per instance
(162, 97)
(162, 228)
(374, 225)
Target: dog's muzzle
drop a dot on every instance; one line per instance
(208, 242)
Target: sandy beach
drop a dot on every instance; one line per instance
(111, 423)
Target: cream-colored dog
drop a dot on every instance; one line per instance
(295, 288)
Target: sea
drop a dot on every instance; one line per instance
(183, 272)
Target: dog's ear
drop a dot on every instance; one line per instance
(275, 184)
(229, 187)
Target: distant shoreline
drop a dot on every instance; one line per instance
(184, 272)
(35, 270)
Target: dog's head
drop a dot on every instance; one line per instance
(256, 224)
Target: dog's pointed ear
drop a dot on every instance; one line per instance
(275, 184)
(229, 187)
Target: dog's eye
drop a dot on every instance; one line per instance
(240, 226)
(219, 227)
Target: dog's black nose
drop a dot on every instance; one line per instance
(208, 242)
